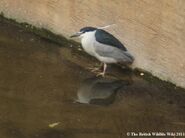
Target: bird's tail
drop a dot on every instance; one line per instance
(130, 57)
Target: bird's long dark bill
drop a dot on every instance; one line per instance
(76, 35)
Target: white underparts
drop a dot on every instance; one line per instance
(87, 40)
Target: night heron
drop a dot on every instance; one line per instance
(104, 46)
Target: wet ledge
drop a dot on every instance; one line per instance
(45, 34)
(41, 32)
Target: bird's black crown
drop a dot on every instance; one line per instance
(87, 29)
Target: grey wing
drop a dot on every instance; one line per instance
(106, 38)
(113, 52)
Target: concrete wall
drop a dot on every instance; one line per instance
(153, 30)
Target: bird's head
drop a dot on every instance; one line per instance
(84, 31)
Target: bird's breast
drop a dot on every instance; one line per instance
(88, 43)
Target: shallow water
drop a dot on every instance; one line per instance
(47, 92)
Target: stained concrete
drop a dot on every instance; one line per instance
(153, 30)
(43, 87)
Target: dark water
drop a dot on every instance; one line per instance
(43, 83)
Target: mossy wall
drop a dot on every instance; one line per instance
(152, 30)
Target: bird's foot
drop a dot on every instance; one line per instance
(100, 74)
(94, 69)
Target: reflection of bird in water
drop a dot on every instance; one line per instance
(100, 91)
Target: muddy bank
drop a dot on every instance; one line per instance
(43, 83)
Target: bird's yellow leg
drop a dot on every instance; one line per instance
(104, 70)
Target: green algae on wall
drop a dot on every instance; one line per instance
(42, 32)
